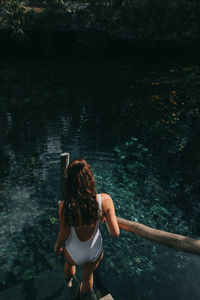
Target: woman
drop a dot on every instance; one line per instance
(80, 214)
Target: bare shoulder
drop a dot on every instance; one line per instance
(105, 197)
(106, 201)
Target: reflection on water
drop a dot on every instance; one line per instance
(138, 130)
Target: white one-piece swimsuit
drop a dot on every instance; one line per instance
(83, 252)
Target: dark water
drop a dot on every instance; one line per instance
(137, 124)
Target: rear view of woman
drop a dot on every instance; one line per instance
(80, 214)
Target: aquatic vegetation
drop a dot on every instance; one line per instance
(123, 120)
(133, 256)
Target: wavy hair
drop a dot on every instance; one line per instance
(80, 195)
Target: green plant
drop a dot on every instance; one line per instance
(14, 17)
(134, 159)
(53, 4)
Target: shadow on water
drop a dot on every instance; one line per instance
(137, 125)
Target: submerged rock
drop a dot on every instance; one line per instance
(47, 285)
(15, 292)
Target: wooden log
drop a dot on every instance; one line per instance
(179, 242)
(64, 162)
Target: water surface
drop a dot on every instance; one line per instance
(137, 124)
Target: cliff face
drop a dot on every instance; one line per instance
(146, 21)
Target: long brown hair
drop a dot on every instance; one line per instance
(80, 194)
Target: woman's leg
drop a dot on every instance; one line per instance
(69, 268)
(87, 275)
(69, 273)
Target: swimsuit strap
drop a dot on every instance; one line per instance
(99, 201)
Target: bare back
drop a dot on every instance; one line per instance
(84, 232)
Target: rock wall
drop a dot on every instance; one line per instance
(137, 19)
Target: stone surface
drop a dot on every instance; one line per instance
(48, 285)
(15, 292)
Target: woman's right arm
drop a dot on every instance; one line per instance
(109, 214)
(63, 233)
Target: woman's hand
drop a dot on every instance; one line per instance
(57, 250)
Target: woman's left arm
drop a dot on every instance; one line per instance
(63, 232)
